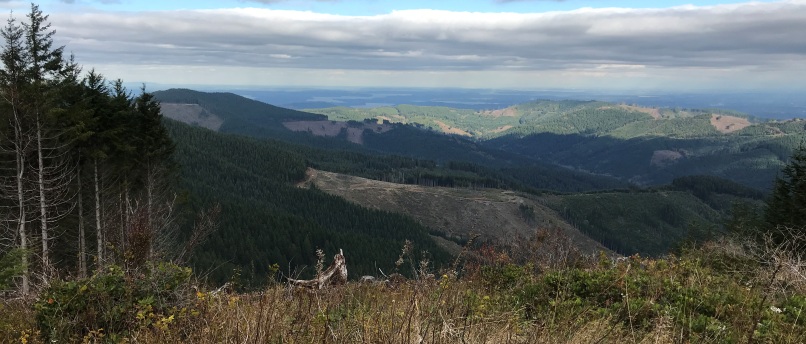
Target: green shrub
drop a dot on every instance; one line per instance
(10, 266)
(698, 292)
(113, 302)
(506, 276)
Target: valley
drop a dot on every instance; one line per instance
(507, 187)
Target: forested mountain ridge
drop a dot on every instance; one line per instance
(266, 220)
(549, 116)
(243, 116)
(671, 213)
(457, 161)
(603, 216)
(639, 144)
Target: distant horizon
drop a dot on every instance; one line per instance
(626, 91)
(766, 105)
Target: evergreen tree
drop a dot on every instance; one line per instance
(152, 148)
(58, 130)
(17, 142)
(45, 68)
(33, 71)
(786, 207)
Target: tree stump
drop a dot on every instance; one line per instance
(336, 273)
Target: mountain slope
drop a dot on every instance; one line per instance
(648, 222)
(648, 146)
(266, 220)
(501, 217)
(238, 115)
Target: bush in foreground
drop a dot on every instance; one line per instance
(723, 292)
(114, 303)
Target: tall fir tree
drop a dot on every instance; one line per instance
(786, 207)
(153, 150)
(66, 139)
(17, 141)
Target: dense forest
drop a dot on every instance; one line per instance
(645, 146)
(266, 220)
(612, 212)
(406, 154)
(84, 165)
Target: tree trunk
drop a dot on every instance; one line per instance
(149, 210)
(82, 243)
(99, 233)
(121, 247)
(125, 227)
(21, 219)
(43, 211)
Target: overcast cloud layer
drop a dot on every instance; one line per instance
(748, 45)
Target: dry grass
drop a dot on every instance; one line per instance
(722, 292)
(442, 312)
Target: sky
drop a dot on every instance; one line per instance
(706, 45)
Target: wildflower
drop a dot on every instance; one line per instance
(775, 309)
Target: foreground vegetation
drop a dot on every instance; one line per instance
(721, 292)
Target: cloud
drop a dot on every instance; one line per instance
(741, 38)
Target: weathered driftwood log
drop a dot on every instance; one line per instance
(335, 274)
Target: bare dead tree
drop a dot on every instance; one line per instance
(159, 201)
(206, 223)
(82, 235)
(15, 189)
(55, 173)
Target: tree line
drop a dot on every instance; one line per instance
(84, 164)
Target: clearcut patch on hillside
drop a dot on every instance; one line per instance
(506, 112)
(728, 124)
(192, 114)
(355, 134)
(502, 129)
(450, 130)
(662, 158)
(655, 113)
(499, 216)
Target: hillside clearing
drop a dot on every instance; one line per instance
(728, 124)
(499, 216)
(333, 129)
(192, 114)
